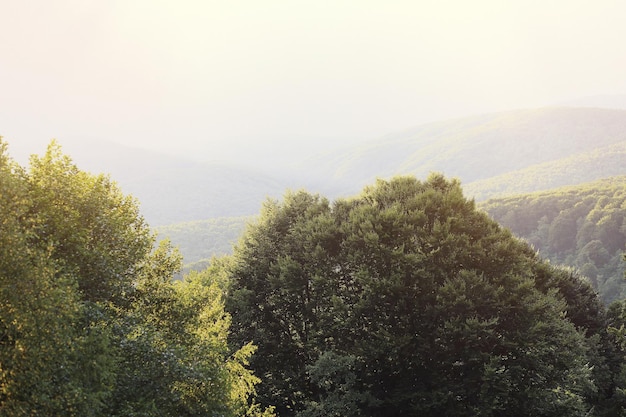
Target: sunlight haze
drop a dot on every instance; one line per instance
(242, 79)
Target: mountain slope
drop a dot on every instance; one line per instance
(478, 147)
(200, 240)
(493, 154)
(582, 226)
(173, 189)
(592, 165)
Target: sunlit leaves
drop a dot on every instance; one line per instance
(90, 224)
(47, 358)
(91, 322)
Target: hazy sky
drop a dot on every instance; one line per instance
(215, 75)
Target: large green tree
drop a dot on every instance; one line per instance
(91, 322)
(406, 300)
(52, 361)
(92, 227)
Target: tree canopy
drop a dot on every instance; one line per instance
(406, 300)
(91, 321)
(402, 301)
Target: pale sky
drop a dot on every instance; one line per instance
(213, 76)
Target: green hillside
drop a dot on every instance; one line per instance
(587, 166)
(480, 147)
(581, 226)
(199, 241)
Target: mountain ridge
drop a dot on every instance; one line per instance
(483, 146)
(488, 153)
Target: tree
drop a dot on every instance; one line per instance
(91, 322)
(48, 360)
(91, 226)
(425, 306)
(174, 351)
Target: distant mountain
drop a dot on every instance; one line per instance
(493, 155)
(201, 191)
(174, 189)
(200, 240)
(481, 147)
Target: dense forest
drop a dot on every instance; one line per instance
(581, 226)
(405, 299)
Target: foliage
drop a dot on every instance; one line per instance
(175, 345)
(91, 227)
(48, 353)
(583, 227)
(336, 376)
(91, 323)
(406, 300)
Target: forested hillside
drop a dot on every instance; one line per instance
(201, 240)
(581, 226)
(402, 300)
(583, 167)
